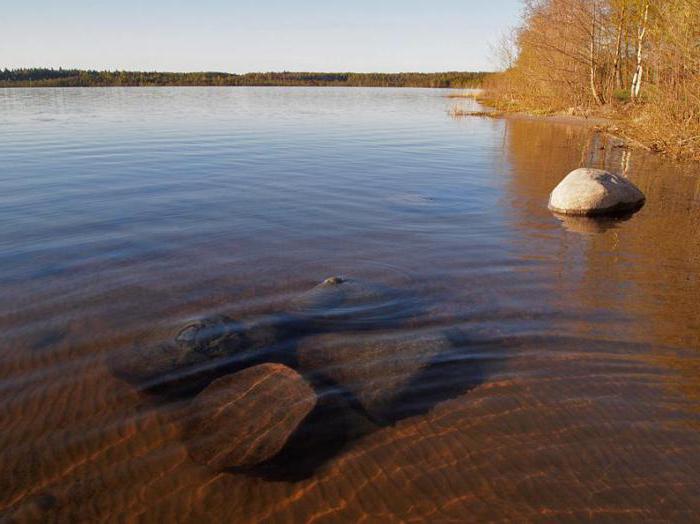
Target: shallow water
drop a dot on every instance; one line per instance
(571, 391)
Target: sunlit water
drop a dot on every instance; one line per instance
(572, 391)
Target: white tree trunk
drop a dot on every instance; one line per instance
(596, 96)
(639, 70)
(617, 66)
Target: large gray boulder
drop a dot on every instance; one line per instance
(244, 419)
(588, 192)
(376, 368)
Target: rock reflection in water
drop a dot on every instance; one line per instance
(591, 225)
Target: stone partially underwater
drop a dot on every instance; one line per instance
(283, 394)
(595, 192)
(340, 303)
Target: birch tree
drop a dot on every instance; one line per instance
(639, 70)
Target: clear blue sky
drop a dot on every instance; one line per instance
(254, 35)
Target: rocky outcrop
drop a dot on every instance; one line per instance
(589, 192)
(246, 418)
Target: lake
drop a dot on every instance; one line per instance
(571, 387)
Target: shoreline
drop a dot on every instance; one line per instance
(441, 88)
(593, 121)
(608, 125)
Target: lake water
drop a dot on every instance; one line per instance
(572, 392)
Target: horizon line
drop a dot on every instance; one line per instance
(339, 72)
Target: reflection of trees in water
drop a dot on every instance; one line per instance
(646, 268)
(603, 151)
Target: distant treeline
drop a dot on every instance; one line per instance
(80, 78)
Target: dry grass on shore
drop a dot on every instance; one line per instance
(459, 112)
(635, 63)
(466, 94)
(653, 127)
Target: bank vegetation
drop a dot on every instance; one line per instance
(635, 62)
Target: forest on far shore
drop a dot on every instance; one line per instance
(39, 77)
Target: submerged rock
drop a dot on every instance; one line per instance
(200, 352)
(346, 303)
(587, 192)
(377, 369)
(246, 418)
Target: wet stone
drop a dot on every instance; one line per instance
(376, 368)
(346, 303)
(589, 192)
(200, 352)
(243, 419)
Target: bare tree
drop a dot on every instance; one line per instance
(639, 70)
(617, 64)
(594, 31)
(573, 54)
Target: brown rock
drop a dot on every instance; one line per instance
(175, 362)
(376, 368)
(243, 419)
(200, 352)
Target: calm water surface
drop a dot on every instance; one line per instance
(571, 394)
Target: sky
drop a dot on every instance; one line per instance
(241, 36)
